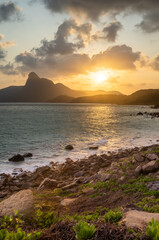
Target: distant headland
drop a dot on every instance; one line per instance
(39, 89)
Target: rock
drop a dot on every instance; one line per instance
(69, 147)
(67, 201)
(22, 202)
(139, 158)
(79, 174)
(16, 158)
(27, 155)
(93, 148)
(3, 194)
(139, 219)
(122, 179)
(154, 186)
(69, 186)
(47, 184)
(139, 114)
(150, 167)
(138, 170)
(152, 156)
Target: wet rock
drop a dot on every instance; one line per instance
(139, 219)
(47, 184)
(69, 147)
(27, 155)
(150, 167)
(139, 114)
(138, 171)
(93, 148)
(21, 202)
(67, 201)
(152, 156)
(139, 158)
(154, 186)
(16, 158)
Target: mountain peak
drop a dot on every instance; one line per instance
(33, 75)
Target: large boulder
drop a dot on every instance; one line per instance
(150, 167)
(152, 156)
(21, 202)
(16, 158)
(139, 219)
(48, 183)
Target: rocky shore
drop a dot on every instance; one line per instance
(127, 180)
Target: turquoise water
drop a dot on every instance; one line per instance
(45, 129)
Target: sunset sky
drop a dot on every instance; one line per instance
(108, 45)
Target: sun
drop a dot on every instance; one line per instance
(100, 76)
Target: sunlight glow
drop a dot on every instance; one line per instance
(100, 76)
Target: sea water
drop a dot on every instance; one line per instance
(45, 130)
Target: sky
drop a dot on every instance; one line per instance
(86, 45)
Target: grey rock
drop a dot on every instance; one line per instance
(152, 166)
(21, 202)
(139, 158)
(47, 184)
(138, 170)
(79, 174)
(154, 186)
(69, 186)
(152, 156)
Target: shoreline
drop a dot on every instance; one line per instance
(87, 190)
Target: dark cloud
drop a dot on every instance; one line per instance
(117, 57)
(155, 63)
(8, 69)
(150, 22)
(27, 59)
(111, 30)
(93, 8)
(2, 53)
(9, 11)
(61, 43)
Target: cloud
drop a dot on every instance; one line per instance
(61, 43)
(5, 44)
(155, 63)
(2, 54)
(94, 9)
(8, 69)
(111, 30)
(150, 22)
(9, 11)
(119, 57)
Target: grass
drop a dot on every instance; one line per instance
(84, 231)
(149, 204)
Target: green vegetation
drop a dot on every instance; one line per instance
(18, 235)
(155, 149)
(84, 231)
(113, 216)
(149, 204)
(139, 186)
(45, 219)
(152, 229)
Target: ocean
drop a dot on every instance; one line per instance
(45, 130)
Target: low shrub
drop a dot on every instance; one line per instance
(113, 216)
(84, 230)
(152, 229)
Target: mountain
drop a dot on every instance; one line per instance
(144, 97)
(39, 89)
(141, 97)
